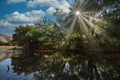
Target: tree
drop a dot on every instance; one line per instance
(110, 28)
(80, 20)
(2, 43)
(28, 37)
(113, 28)
(44, 35)
(52, 32)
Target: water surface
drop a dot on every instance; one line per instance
(61, 67)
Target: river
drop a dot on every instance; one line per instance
(60, 66)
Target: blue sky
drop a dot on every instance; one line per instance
(21, 12)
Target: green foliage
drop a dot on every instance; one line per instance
(110, 2)
(6, 44)
(44, 34)
(78, 24)
(76, 42)
(47, 32)
(2, 43)
(26, 34)
(113, 28)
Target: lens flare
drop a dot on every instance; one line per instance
(77, 13)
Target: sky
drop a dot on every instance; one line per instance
(14, 13)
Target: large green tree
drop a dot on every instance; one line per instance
(80, 20)
(110, 30)
(44, 35)
(28, 37)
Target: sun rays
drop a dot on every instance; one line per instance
(85, 17)
(70, 29)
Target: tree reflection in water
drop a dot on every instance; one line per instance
(77, 67)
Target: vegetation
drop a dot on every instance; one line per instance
(91, 26)
(38, 37)
(2, 43)
(111, 29)
(74, 33)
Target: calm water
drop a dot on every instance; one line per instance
(59, 67)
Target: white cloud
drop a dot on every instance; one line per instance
(16, 19)
(51, 11)
(15, 1)
(28, 17)
(5, 23)
(61, 4)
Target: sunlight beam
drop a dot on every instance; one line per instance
(68, 21)
(70, 30)
(87, 32)
(91, 24)
(95, 19)
(83, 26)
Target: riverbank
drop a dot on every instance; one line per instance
(10, 47)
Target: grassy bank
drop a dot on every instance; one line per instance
(9, 47)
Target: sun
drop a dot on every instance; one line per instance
(77, 13)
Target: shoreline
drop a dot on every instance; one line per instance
(10, 47)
